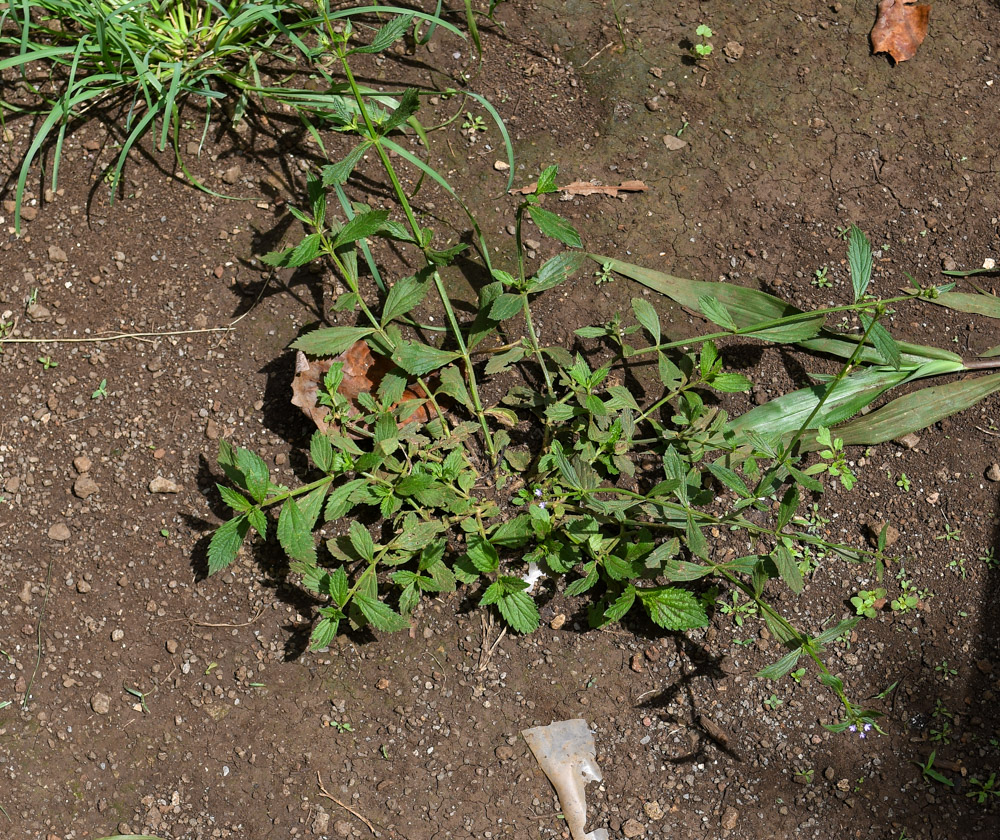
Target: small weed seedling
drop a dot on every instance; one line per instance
(773, 702)
(340, 726)
(473, 125)
(797, 675)
(903, 482)
(47, 362)
(820, 279)
(806, 776)
(945, 671)
(834, 459)
(950, 534)
(930, 774)
(909, 596)
(142, 695)
(982, 791)
(864, 602)
(989, 559)
(957, 565)
(703, 48)
(101, 392)
(604, 274)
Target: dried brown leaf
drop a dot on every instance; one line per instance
(587, 188)
(900, 28)
(362, 374)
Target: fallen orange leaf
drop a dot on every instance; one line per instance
(586, 188)
(900, 28)
(362, 374)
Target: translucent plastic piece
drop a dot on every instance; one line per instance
(565, 751)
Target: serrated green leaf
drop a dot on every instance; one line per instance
(416, 535)
(301, 254)
(404, 296)
(506, 306)
(330, 341)
(453, 384)
(338, 586)
(662, 554)
(835, 632)
(362, 541)
(647, 316)
(225, 543)
(294, 533)
(323, 633)
(258, 521)
(731, 383)
(730, 479)
(682, 570)
(519, 611)
(789, 504)
(783, 666)
(884, 343)
(481, 554)
(387, 35)
(339, 501)
(672, 608)
(381, 616)
(360, 227)
(713, 309)
(311, 504)
(409, 102)
(787, 568)
(546, 182)
(500, 361)
(258, 477)
(237, 501)
(622, 604)
(419, 359)
(695, 538)
(554, 271)
(859, 261)
(554, 226)
(581, 585)
(338, 173)
(321, 451)
(514, 533)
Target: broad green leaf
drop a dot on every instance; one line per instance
(418, 359)
(783, 666)
(730, 479)
(453, 384)
(323, 633)
(585, 583)
(519, 611)
(417, 535)
(409, 102)
(258, 521)
(748, 307)
(837, 630)
(514, 532)
(978, 304)
(258, 477)
(789, 504)
(695, 538)
(554, 226)
(338, 173)
(330, 341)
(622, 604)
(379, 615)
(646, 315)
(311, 504)
(295, 534)
(546, 181)
(405, 295)
(362, 541)
(481, 554)
(339, 501)
(859, 261)
(715, 310)
(730, 383)
(500, 361)
(672, 608)
(681, 570)
(321, 451)
(555, 271)
(917, 411)
(843, 347)
(506, 306)
(225, 543)
(360, 227)
(787, 568)
(301, 254)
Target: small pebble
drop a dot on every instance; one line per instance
(59, 532)
(171, 645)
(100, 703)
(993, 473)
(164, 485)
(117, 635)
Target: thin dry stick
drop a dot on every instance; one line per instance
(348, 808)
(486, 651)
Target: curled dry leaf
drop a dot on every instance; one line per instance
(900, 28)
(362, 374)
(587, 188)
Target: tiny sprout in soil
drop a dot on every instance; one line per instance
(703, 48)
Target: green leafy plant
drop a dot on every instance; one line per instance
(910, 597)
(865, 601)
(47, 362)
(773, 702)
(903, 482)
(703, 47)
(461, 495)
(983, 790)
(101, 392)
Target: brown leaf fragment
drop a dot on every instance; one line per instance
(900, 28)
(587, 188)
(362, 374)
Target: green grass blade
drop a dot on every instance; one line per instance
(916, 411)
(396, 10)
(507, 144)
(843, 346)
(749, 307)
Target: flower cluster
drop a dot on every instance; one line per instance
(863, 731)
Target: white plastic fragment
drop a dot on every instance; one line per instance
(532, 576)
(566, 752)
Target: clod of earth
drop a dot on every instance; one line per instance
(900, 28)
(362, 374)
(164, 485)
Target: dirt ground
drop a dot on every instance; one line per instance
(793, 130)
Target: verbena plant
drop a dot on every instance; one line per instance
(149, 58)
